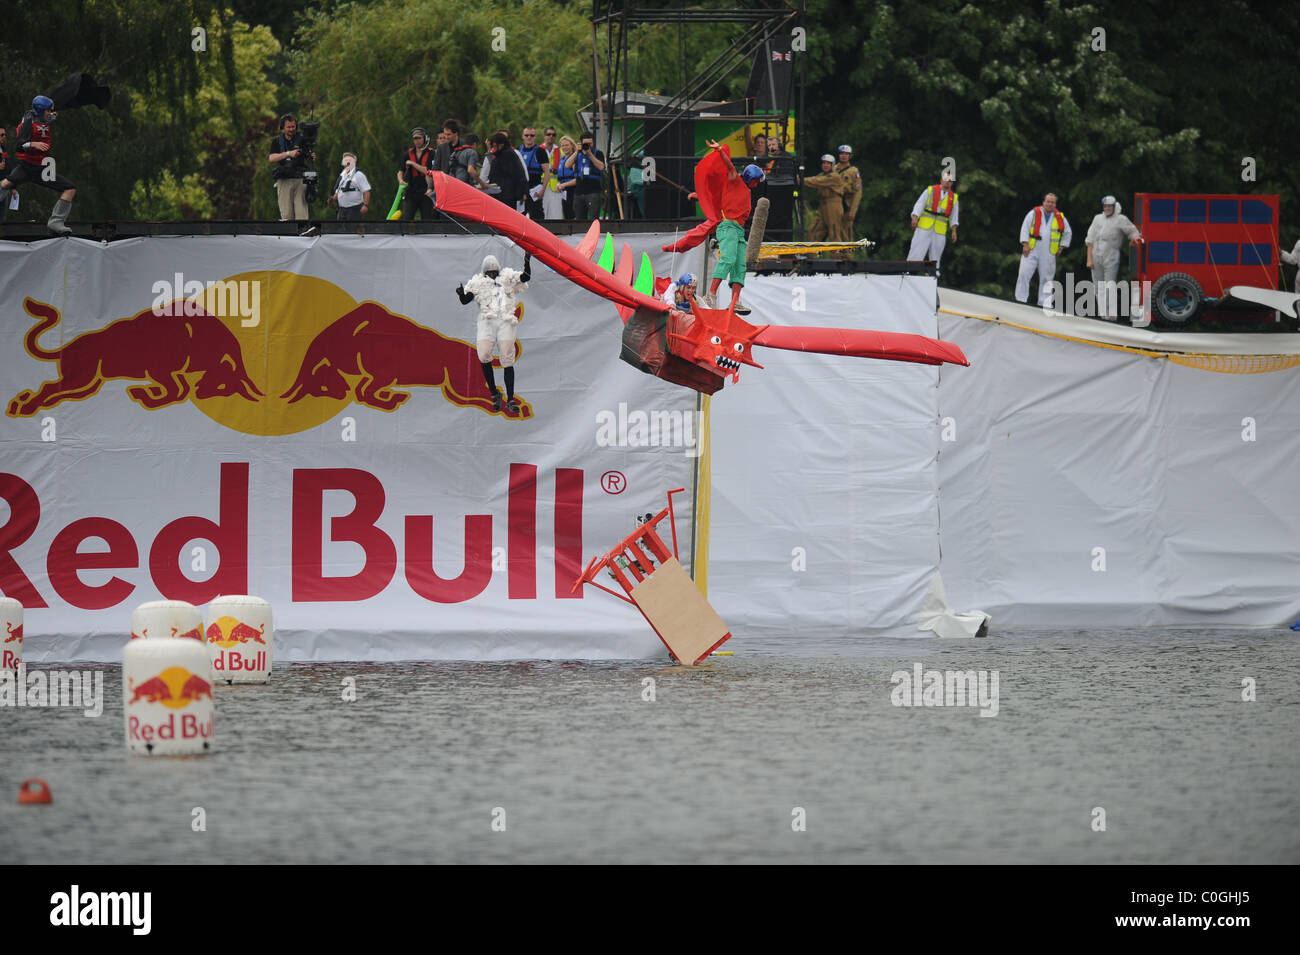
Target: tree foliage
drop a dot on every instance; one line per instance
(1021, 95)
(369, 73)
(1024, 101)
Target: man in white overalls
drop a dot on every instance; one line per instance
(934, 215)
(1044, 234)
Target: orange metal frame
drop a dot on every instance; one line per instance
(639, 552)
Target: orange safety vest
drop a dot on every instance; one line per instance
(938, 208)
(1058, 229)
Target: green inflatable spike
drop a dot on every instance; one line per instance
(607, 254)
(645, 276)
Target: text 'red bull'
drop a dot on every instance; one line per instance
(190, 728)
(229, 533)
(232, 661)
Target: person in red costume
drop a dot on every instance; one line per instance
(723, 194)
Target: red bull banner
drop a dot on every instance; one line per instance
(308, 420)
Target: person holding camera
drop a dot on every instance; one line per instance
(290, 158)
(352, 191)
(590, 167)
(416, 165)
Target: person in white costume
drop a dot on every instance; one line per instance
(934, 216)
(1044, 234)
(497, 292)
(1109, 231)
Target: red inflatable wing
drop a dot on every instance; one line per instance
(458, 199)
(862, 343)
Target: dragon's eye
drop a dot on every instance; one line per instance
(716, 339)
(740, 347)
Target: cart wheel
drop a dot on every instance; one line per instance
(1176, 297)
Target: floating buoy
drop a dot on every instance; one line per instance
(167, 618)
(11, 633)
(241, 639)
(34, 792)
(167, 697)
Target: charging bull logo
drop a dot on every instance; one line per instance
(369, 353)
(14, 634)
(315, 352)
(226, 632)
(174, 688)
(175, 356)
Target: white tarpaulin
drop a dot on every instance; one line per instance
(825, 507)
(1122, 486)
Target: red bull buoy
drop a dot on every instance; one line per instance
(167, 618)
(11, 633)
(167, 697)
(241, 639)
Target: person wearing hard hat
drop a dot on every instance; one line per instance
(934, 219)
(1106, 236)
(830, 208)
(1044, 234)
(845, 169)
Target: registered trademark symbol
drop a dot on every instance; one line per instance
(613, 482)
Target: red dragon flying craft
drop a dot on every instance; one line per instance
(699, 348)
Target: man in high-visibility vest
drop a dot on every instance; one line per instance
(934, 219)
(1044, 234)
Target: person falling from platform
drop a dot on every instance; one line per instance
(497, 292)
(723, 194)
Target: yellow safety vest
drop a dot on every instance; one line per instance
(938, 209)
(1058, 229)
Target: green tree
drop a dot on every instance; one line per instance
(228, 114)
(371, 73)
(1015, 94)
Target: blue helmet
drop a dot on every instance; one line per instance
(42, 103)
(686, 279)
(752, 174)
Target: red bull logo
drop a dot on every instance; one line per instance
(174, 688)
(312, 529)
(225, 632)
(319, 350)
(15, 634)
